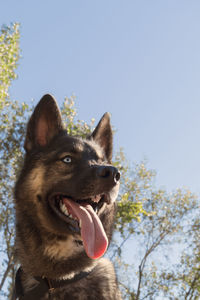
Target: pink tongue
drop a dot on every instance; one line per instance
(92, 232)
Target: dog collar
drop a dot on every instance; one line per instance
(45, 286)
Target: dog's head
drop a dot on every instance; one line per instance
(69, 184)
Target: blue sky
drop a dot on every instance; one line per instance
(139, 60)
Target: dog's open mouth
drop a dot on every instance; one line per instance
(82, 217)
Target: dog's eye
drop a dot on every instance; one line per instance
(67, 159)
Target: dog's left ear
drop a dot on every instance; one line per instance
(103, 135)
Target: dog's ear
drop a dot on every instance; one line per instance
(44, 123)
(103, 135)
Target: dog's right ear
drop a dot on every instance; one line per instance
(103, 135)
(44, 123)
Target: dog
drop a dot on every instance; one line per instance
(65, 199)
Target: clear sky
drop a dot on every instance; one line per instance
(139, 60)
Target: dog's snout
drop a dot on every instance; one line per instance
(109, 172)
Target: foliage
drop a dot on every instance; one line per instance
(71, 122)
(164, 243)
(11, 128)
(9, 56)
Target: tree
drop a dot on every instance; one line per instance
(151, 224)
(9, 153)
(165, 251)
(9, 56)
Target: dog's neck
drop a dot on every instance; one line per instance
(47, 254)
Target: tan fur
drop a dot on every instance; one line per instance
(79, 147)
(36, 179)
(60, 249)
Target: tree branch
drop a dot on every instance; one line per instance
(9, 266)
(196, 277)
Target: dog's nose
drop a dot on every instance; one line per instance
(109, 172)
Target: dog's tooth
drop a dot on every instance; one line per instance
(96, 198)
(64, 209)
(80, 223)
